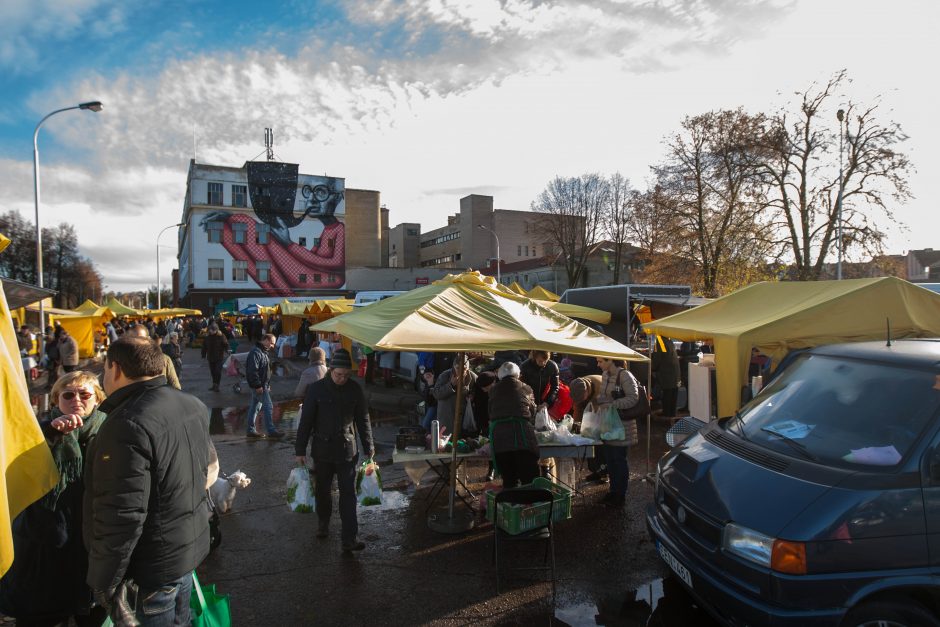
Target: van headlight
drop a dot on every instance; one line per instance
(783, 556)
(747, 543)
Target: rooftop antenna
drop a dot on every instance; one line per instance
(888, 321)
(194, 142)
(269, 143)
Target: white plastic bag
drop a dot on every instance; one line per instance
(300, 492)
(369, 484)
(543, 421)
(591, 423)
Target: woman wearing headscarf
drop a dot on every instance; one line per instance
(46, 583)
(513, 445)
(172, 350)
(312, 374)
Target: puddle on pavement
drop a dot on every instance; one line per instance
(660, 603)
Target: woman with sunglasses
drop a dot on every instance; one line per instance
(46, 583)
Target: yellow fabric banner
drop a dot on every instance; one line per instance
(25, 460)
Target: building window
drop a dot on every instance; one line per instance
(240, 232)
(239, 195)
(393, 246)
(526, 251)
(216, 269)
(412, 232)
(316, 242)
(332, 278)
(302, 241)
(330, 244)
(262, 231)
(211, 301)
(239, 270)
(302, 278)
(318, 278)
(264, 271)
(526, 226)
(441, 239)
(518, 251)
(533, 251)
(215, 194)
(215, 232)
(458, 256)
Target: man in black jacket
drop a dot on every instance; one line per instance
(146, 522)
(334, 411)
(258, 374)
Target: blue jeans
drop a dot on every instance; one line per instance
(429, 415)
(165, 606)
(618, 467)
(261, 402)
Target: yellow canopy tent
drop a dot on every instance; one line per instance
(778, 317)
(470, 312)
(83, 326)
(119, 308)
(576, 311)
(88, 306)
(292, 315)
(518, 289)
(540, 293)
(25, 460)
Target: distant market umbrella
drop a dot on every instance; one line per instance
(470, 312)
(540, 293)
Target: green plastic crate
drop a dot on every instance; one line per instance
(516, 519)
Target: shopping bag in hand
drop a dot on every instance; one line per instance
(543, 421)
(369, 484)
(612, 427)
(300, 492)
(231, 368)
(591, 424)
(207, 608)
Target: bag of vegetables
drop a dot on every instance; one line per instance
(369, 484)
(300, 492)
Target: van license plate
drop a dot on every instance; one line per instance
(681, 571)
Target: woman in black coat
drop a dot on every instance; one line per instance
(46, 583)
(513, 444)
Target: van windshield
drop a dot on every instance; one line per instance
(843, 413)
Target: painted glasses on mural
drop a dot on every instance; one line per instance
(285, 250)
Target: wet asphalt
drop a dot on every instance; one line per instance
(277, 573)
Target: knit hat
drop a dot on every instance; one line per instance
(485, 378)
(341, 359)
(580, 390)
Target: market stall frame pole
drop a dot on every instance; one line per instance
(460, 523)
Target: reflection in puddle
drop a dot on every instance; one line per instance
(391, 500)
(232, 420)
(660, 603)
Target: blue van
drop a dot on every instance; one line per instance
(818, 503)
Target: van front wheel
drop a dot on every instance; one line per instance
(890, 614)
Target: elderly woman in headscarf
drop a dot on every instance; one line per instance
(513, 444)
(46, 583)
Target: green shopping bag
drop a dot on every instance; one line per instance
(208, 608)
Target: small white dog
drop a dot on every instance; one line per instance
(223, 490)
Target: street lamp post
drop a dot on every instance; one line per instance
(840, 115)
(499, 277)
(158, 257)
(85, 106)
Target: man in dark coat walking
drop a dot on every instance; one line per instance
(334, 412)
(214, 348)
(146, 523)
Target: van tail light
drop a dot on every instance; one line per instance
(788, 557)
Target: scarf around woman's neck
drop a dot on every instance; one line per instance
(67, 453)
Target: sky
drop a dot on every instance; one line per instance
(424, 100)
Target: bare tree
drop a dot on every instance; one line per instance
(615, 219)
(712, 178)
(801, 162)
(572, 211)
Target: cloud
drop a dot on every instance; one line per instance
(27, 25)
(329, 90)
